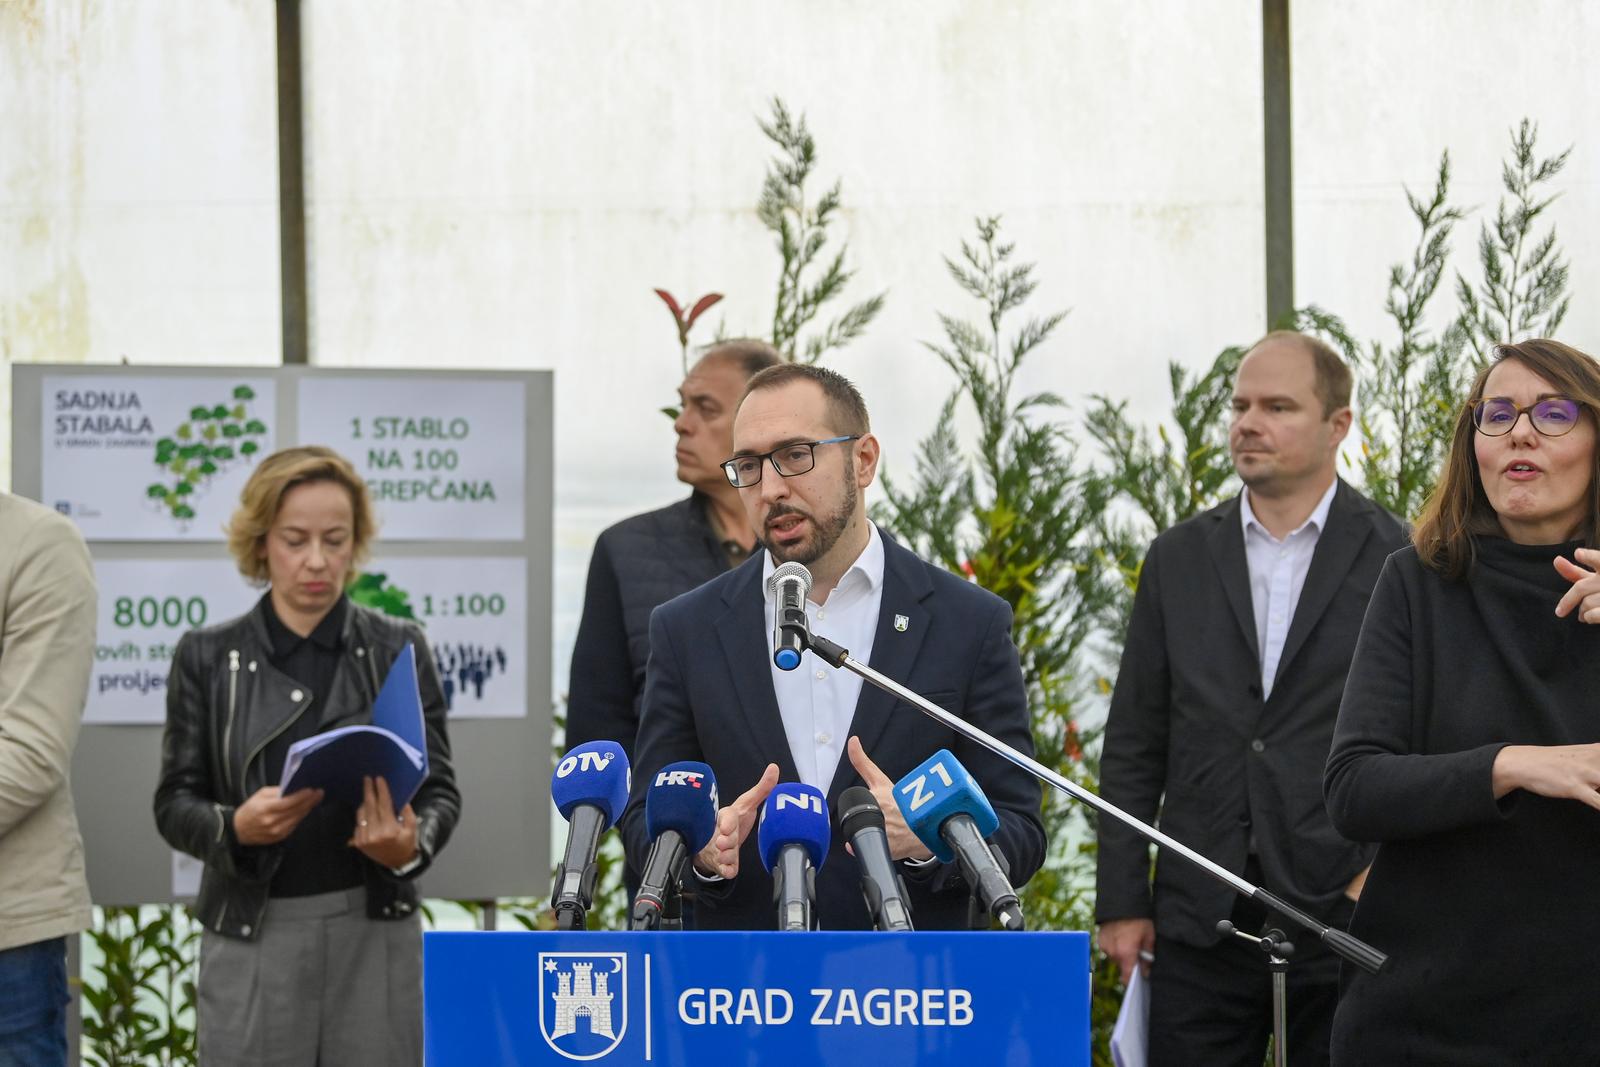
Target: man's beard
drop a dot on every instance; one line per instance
(826, 530)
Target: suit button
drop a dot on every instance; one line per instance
(1258, 745)
(296, 695)
(245, 929)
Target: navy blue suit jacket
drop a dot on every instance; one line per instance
(708, 696)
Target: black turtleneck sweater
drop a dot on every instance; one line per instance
(1490, 910)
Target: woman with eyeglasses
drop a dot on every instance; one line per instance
(1468, 742)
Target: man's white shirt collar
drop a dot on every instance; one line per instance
(1317, 518)
(868, 568)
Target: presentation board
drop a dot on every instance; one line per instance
(149, 462)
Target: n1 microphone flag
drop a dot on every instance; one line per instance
(794, 814)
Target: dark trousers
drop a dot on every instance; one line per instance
(33, 1004)
(1212, 1007)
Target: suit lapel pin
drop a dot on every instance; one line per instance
(901, 622)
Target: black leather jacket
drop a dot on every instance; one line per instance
(225, 703)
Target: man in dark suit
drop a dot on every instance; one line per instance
(1242, 632)
(804, 455)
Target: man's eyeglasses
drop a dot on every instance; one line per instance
(1494, 416)
(788, 460)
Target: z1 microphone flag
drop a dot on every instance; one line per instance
(595, 773)
(939, 789)
(947, 811)
(794, 814)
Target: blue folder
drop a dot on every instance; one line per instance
(394, 746)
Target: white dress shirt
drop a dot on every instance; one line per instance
(816, 701)
(1277, 574)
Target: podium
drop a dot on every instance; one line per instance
(768, 998)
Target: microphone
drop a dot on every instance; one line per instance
(793, 837)
(789, 585)
(590, 788)
(861, 823)
(948, 812)
(680, 815)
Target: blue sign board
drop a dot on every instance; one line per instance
(759, 998)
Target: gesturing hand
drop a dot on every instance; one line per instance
(721, 855)
(1570, 772)
(268, 816)
(1584, 596)
(903, 844)
(380, 835)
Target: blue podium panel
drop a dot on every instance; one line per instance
(756, 998)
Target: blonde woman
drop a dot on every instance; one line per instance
(312, 949)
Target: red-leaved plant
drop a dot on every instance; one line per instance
(686, 320)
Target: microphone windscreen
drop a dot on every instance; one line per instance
(683, 797)
(597, 773)
(794, 814)
(790, 569)
(858, 810)
(936, 790)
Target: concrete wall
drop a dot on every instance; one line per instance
(501, 184)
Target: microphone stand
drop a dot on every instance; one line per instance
(1351, 948)
(1278, 949)
(672, 907)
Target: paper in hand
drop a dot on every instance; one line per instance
(393, 747)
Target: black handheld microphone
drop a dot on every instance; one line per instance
(944, 806)
(789, 585)
(680, 815)
(861, 823)
(590, 788)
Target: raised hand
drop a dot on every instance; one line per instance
(903, 844)
(1570, 772)
(734, 823)
(1584, 596)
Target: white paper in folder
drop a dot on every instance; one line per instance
(1131, 1036)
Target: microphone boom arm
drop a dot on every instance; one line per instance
(1351, 948)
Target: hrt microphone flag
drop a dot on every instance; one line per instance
(683, 798)
(794, 814)
(938, 789)
(680, 815)
(595, 773)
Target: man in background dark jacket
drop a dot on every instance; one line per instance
(648, 559)
(1241, 636)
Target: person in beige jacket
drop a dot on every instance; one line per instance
(47, 629)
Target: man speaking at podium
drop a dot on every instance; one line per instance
(713, 694)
